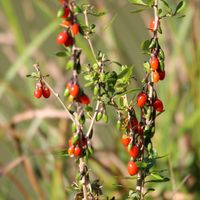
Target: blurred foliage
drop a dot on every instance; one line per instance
(33, 132)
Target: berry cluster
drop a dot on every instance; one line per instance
(74, 92)
(41, 90)
(70, 24)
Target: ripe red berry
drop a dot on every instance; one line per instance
(69, 42)
(132, 168)
(158, 105)
(71, 151)
(134, 123)
(46, 92)
(140, 129)
(62, 38)
(125, 140)
(161, 74)
(66, 12)
(84, 99)
(77, 151)
(134, 151)
(141, 99)
(74, 90)
(154, 63)
(75, 29)
(38, 93)
(155, 76)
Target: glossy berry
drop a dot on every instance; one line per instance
(161, 74)
(125, 140)
(134, 151)
(154, 63)
(62, 38)
(132, 168)
(46, 92)
(75, 29)
(38, 93)
(140, 129)
(69, 41)
(66, 12)
(141, 99)
(77, 151)
(71, 151)
(74, 90)
(155, 76)
(158, 105)
(84, 99)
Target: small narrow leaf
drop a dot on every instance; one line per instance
(179, 7)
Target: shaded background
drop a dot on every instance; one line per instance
(32, 132)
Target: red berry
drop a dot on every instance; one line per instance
(69, 42)
(71, 151)
(46, 92)
(154, 63)
(74, 90)
(152, 24)
(155, 76)
(134, 123)
(132, 168)
(84, 99)
(161, 74)
(140, 129)
(66, 12)
(62, 38)
(158, 105)
(125, 140)
(77, 151)
(66, 23)
(75, 29)
(38, 93)
(134, 151)
(141, 99)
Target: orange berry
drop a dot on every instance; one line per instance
(75, 29)
(155, 76)
(154, 63)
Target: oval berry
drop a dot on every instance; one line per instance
(75, 29)
(155, 76)
(71, 151)
(158, 105)
(132, 168)
(154, 63)
(84, 99)
(161, 74)
(140, 129)
(66, 12)
(46, 92)
(74, 90)
(62, 38)
(125, 140)
(38, 93)
(134, 151)
(141, 99)
(77, 151)
(69, 41)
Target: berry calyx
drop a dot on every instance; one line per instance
(77, 151)
(154, 63)
(158, 105)
(134, 151)
(74, 90)
(155, 76)
(46, 92)
(38, 93)
(62, 38)
(141, 99)
(125, 140)
(75, 29)
(84, 99)
(71, 151)
(132, 168)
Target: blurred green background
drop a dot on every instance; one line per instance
(33, 131)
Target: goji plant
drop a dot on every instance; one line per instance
(136, 109)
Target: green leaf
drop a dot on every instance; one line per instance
(61, 54)
(138, 2)
(179, 7)
(145, 45)
(137, 11)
